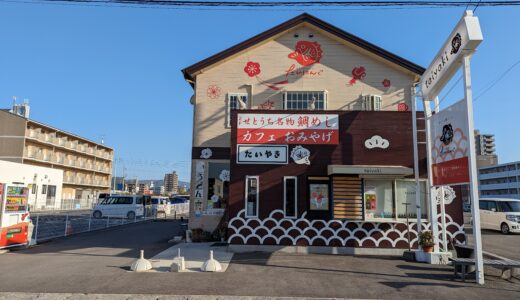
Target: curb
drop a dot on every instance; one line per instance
(78, 296)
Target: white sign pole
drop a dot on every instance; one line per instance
(434, 227)
(441, 192)
(477, 240)
(416, 164)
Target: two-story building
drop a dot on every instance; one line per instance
(302, 136)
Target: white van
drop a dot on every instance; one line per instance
(122, 206)
(500, 214)
(161, 206)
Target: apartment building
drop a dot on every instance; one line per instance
(132, 186)
(485, 148)
(86, 165)
(302, 136)
(501, 181)
(171, 183)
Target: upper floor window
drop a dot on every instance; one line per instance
(371, 102)
(233, 102)
(305, 100)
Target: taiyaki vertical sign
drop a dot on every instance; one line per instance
(463, 40)
(288, 129)
(450, 145)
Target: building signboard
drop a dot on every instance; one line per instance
(464, 38)
(262, 154)
(288, 129)
(450, 145)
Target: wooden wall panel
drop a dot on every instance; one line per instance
(347, 196)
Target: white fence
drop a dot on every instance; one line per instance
(53, 225)
(66, 204)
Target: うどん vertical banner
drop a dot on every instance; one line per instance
(450, 145)
(310, 129)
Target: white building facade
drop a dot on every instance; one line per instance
(502, 181)
(45, 184)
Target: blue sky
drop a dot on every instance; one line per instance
(115, 71)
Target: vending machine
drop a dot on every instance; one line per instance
(14, 215)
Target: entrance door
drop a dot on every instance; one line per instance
(347, 194)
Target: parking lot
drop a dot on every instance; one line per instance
(495, 242)
(98, 262)
(53, 224)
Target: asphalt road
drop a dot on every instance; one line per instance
(98, 262)
(495, 242)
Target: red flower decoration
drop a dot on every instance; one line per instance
(213, 92)
(402, 107)
(252, 69)
(266, 105)
(358, 73)
(307, 53)
(386, 83)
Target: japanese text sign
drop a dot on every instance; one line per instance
(262, 154)
(317, 129)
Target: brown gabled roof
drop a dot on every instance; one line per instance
(189, 71)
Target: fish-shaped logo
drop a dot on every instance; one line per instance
(307, 53)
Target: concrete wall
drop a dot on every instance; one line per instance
(32, 175)
(12, 135)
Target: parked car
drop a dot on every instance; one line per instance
(161, 205)
(177, 200)
(500, 214)
(129, 206)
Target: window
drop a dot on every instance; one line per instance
(125, 200)
(379, 199)
(405, 193)
(234, 103)
(290, 187)
(492, 205)
(44, 189)
(483, 205)
(251, 196)
(319, 196)
(509, 206)
(371, 102)
(218, 185)
(34, 189)
(385, 199)
(51, 195)
(303, 100)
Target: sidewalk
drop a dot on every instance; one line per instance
(20, 296)
(195, 254)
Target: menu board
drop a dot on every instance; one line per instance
(16, 199)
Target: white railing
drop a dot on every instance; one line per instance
(75, 216)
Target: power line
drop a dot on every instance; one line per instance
(494, 82)
(267, 4)
(477, 6)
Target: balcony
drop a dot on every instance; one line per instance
(58, 159)
(499, 186)
(503, 174)
(32, 134)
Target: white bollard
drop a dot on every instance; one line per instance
(211, 265)
(141, 264)
(178, 264)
